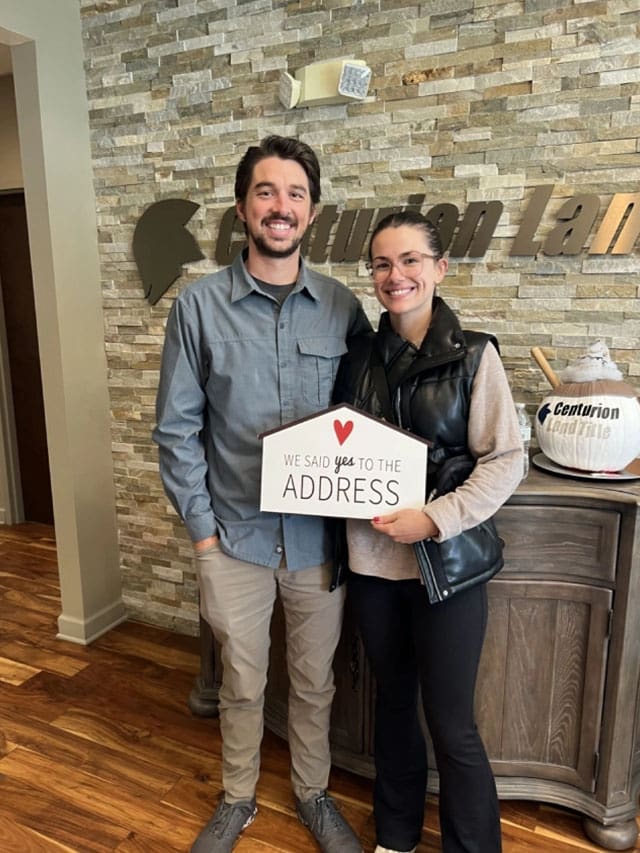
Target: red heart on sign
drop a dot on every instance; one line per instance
(342, 430)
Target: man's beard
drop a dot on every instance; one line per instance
(268, 251)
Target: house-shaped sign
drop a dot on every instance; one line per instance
(342, 462)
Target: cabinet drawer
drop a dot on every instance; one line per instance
(559, 541)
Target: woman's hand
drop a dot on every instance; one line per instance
(406, 526)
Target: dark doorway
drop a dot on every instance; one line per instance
(24, 359)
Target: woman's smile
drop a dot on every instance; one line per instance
(399, 292)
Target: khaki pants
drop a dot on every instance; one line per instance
(237, 599)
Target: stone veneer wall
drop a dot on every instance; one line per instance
(472, 100)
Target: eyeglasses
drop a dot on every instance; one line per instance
(409, 265)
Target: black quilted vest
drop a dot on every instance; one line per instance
(428, 393)
(429, 388)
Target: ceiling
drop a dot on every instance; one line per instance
(5, 60)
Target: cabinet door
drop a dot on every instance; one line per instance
(348, 710)
(541, 680)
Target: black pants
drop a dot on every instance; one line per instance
(410, 643)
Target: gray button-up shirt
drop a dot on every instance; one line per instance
(235, 364)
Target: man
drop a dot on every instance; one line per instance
(247, 349)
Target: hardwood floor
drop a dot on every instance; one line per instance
(99, 752)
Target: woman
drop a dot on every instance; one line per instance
(447, 386)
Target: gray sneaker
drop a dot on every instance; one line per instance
(322, 818)
(224, 828)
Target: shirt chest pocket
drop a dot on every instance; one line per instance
(319, 361)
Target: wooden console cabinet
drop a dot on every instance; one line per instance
(558, 699)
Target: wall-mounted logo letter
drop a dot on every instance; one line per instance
(162, 244)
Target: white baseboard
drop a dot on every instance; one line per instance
(85, 631)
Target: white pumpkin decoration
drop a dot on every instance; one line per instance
(591, 426)
(591, 421)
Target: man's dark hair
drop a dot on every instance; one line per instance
(286, 148)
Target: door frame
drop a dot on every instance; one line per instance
(11, 505)
(53, 127)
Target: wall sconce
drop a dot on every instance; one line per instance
(333, 81)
